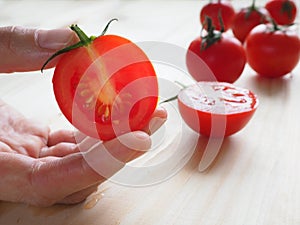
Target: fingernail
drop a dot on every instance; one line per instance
(136, 140)
(54, 39)
(144, 144)
(141, 135)
(161, 112)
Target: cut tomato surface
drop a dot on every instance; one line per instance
(106, 87)
(216, 109)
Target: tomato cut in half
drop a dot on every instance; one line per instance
(107, 87)
(216, 109)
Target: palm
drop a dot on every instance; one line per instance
(20, 135)
(24, 146)
(48, 165)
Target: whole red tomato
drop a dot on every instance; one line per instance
(246, 19)
(272, 51)
(224, 55)
(105, 86)
(216, 109)
(284, 12)
(215, 10)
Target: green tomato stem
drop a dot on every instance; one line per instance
(64, 50)
(169, 99)
(84, 41)
(107, 25)
(176, 96)
(253, 7)
(212, 35)
(275, 25)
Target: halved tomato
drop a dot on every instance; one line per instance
(216, 109)
(105, 86)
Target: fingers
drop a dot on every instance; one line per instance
(59, 136)
(128, 146)
(60, 143)
(87, 143)
(59, 150)
(56, 179)
(106, 158)
(23, 49)
(74, 176)
(158, 118)
(65, 142)
(75, 172)
(80, 195)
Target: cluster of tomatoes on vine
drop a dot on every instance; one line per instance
(265, 37)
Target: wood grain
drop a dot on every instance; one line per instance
(255, 178)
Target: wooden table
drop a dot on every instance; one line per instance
(255, 178)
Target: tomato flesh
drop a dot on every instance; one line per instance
(107, 88)
(216, 109)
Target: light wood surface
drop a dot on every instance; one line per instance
(255, 178)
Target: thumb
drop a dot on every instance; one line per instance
(24, 49)
(107, 158)
(75, 172)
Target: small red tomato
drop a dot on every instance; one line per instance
(224, 55)
(215, 10)
(246, 19)
(282, 11)
(272, 51)
(216, 109)
(105, 86)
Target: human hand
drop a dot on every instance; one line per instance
(39, 167)
(23, 49)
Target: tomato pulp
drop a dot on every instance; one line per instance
(216, 109)
(107, 87)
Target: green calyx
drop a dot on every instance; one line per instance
(84, 40)
(253, 6)
(251, 9)
(212, 35)
(275, 27)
